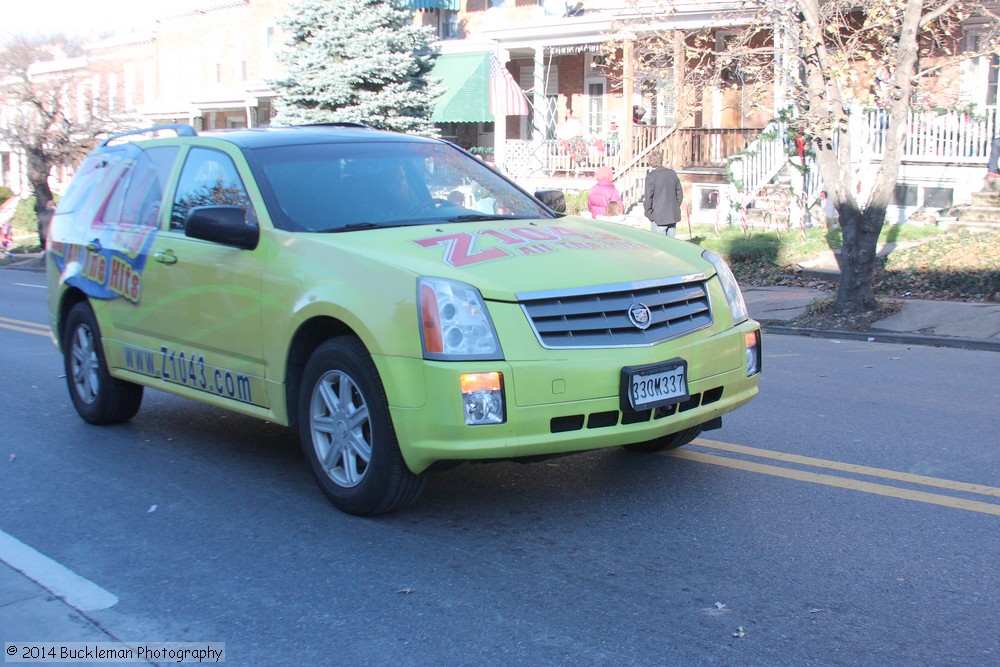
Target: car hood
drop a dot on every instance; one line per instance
(504, 258)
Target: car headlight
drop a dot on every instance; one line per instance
(737, 306)
(454, 322)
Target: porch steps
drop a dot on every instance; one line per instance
(983, 215)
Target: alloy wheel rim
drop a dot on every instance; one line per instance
(341, 429)
(84, 365)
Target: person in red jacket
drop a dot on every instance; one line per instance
(602, 192)
(6, 239)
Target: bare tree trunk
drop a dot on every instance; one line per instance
(858, 260)
(38, 176)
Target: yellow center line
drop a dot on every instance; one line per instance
(25, 327)
(922, 480)
(841, 482)
(25, 323)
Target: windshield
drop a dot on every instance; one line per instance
(342, 187)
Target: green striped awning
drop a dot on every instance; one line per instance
(424, 5)
(465, 78)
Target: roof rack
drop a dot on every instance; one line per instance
(334, 124)
(182, 130)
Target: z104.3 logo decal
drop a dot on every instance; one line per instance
(460, 248)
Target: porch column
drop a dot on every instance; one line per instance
(628, 72)
(251, 112)
(500, 122)
(679, 64)
(779, 67)
(540, 117)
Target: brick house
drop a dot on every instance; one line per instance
(210, 67)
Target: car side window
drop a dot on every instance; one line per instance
(209, 178)
(141, 207)
(111, 211)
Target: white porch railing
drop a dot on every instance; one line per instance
(579, 157)
(560, 158)
(952, 137)
(761, 161)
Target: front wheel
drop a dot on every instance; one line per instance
(667, 442)
(98, 397)
(347, 433)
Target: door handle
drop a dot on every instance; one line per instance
(166, 257)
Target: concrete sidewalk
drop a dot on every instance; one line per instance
(30, 613)
(919, 322)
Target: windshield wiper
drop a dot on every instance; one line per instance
(476, 217)
(353, 227)
(360, 226)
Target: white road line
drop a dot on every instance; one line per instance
(62, 582)
(30, 285)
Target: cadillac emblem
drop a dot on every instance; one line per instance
(639, 315)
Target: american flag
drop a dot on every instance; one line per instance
(506, 96)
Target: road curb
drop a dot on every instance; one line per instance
(35, 263)
(887, 337)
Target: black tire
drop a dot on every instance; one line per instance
(347, 433)
(98, 398)
(667, 442)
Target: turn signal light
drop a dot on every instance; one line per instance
(482, 398)
(430, 322)
(753, 348)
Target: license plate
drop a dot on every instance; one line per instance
(645, 387)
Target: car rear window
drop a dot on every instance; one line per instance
(104, 166)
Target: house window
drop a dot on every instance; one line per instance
(905, 195)
(449, 131)
(449, 25)
(269, 40)
(991, 82)
(112, 106)
(708, 199)
(130, 77)
(938, 197)
(595, 107)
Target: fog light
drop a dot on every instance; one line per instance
(482, 398)
(752, 341)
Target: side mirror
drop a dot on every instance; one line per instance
(222, 224)
(554, 199)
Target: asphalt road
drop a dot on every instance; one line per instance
(850, 515)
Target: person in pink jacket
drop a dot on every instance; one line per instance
(602, 192)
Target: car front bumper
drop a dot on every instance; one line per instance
(566, 404)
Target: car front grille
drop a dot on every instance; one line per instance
(599, 317)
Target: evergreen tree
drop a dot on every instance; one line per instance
(357, 61)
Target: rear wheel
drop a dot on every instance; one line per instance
(97, 397)
(347, 433)
(667, 442)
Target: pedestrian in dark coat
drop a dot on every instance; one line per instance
(663, 197)
(993, 165)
